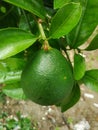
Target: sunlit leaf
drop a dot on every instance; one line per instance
(13, 41)
(90, 79)
(79, 66)
(60, 3)
(93, 45)
(14, 91)
(65, 20)
(34, 6)
(11, 69)
(87, 24)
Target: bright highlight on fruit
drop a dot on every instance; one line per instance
(47, 79)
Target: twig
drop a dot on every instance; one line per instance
(65, 121)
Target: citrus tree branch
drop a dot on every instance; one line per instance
(46, 45)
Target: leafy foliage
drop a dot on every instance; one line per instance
(65, 20)
(11, 69)
(60, 3)
(90, 79)
(14, 91)
(28, 26)
(18, 121)
(72, 99)
(17, 41)
(87, 23)
(93, 45)
(79, 66)
(33, 6)
(9, 18)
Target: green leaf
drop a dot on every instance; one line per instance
(72, 99)
(60, 3)
(13, 41)
(87, 24)
(90, 79)
(65, 20)
(14, 91)
(3, 9)
(23, 23)
(34, 6)
(11, 69)
(10, 18)
(79, 66)
(93, 45)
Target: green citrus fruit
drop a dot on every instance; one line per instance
(47, 79)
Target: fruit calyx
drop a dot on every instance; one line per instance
(45, 45)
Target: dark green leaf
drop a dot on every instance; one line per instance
(72, 99)
(10, 18)
(48, 3)
(3, 9)
(23, 23)
(28, 26)
(34, 6)
(93, 45)
(90, 79)
(13, 41)
(87, 24)
(79, 66)
(60, 3)
(65, 20)
(11, 69)
(14, 91)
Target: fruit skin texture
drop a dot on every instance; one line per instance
(47, 79)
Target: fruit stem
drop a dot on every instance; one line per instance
(43, 36)
(46, 45)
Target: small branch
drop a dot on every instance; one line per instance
(43, 36)
(65, 121)
(46, 45)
